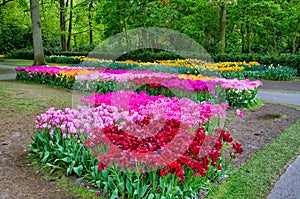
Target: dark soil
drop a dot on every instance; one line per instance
(257, 128)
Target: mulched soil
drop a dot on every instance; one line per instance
(257, 128)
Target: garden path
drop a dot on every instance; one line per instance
(280, 97)
(288, 186)
(7, 66)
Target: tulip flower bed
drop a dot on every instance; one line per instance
(189, 63)
(240, 70)
(132, 145)
(239, 93)
(187, 66)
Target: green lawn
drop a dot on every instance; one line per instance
(27, 62)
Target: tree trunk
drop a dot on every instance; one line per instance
(243, 38)
(62, 17)
(70, 26)
(222, 28)
(295, 36)
(75, 42)
(39, 58)
(90, 22)
(249, 39)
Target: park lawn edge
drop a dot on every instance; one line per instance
(257, 177)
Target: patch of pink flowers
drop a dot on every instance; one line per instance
(238, 85)
(133, 129)
(73, 121)
(144, 77)
(169, 80)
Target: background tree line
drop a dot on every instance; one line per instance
(220, 26)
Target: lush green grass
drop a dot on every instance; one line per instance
(297, 79)
(256, 178)
(32, 97)
(18, 62)
(27, 62)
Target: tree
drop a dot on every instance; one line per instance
(90, 22)
(39, 58)
(295, 19)
(222, 20)
(70, 26)
(295, 35)
(62, 16)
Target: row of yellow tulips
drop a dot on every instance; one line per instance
(190, 63)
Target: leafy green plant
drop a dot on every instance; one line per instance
(281, 73)
(52, 80)
(62, 153)
(242, 98)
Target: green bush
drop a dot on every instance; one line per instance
(63, 60)
(21, 54)
(241, 98)
(148, 55)
(71, 53)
